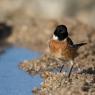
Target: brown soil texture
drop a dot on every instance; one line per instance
(35, 34)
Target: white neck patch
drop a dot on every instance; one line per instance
(55, 37)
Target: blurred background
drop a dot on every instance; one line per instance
(83, 10)
(30, 17)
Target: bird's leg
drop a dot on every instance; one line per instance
(61, 68)
(72, 65)
(59, 60)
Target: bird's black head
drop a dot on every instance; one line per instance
(61, 32)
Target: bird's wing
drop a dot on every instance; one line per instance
(71, 44)
(69, 41)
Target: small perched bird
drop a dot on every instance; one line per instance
(62, 47)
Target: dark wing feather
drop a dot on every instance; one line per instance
(70, 42)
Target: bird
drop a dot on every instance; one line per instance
(62, 47)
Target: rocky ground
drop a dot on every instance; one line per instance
(35, 33)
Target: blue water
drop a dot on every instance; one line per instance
(14, 81)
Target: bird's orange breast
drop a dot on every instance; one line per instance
(61, 50)
(56, 47)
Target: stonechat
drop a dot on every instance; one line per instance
(62, 47)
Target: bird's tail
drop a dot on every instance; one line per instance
(79, 45)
